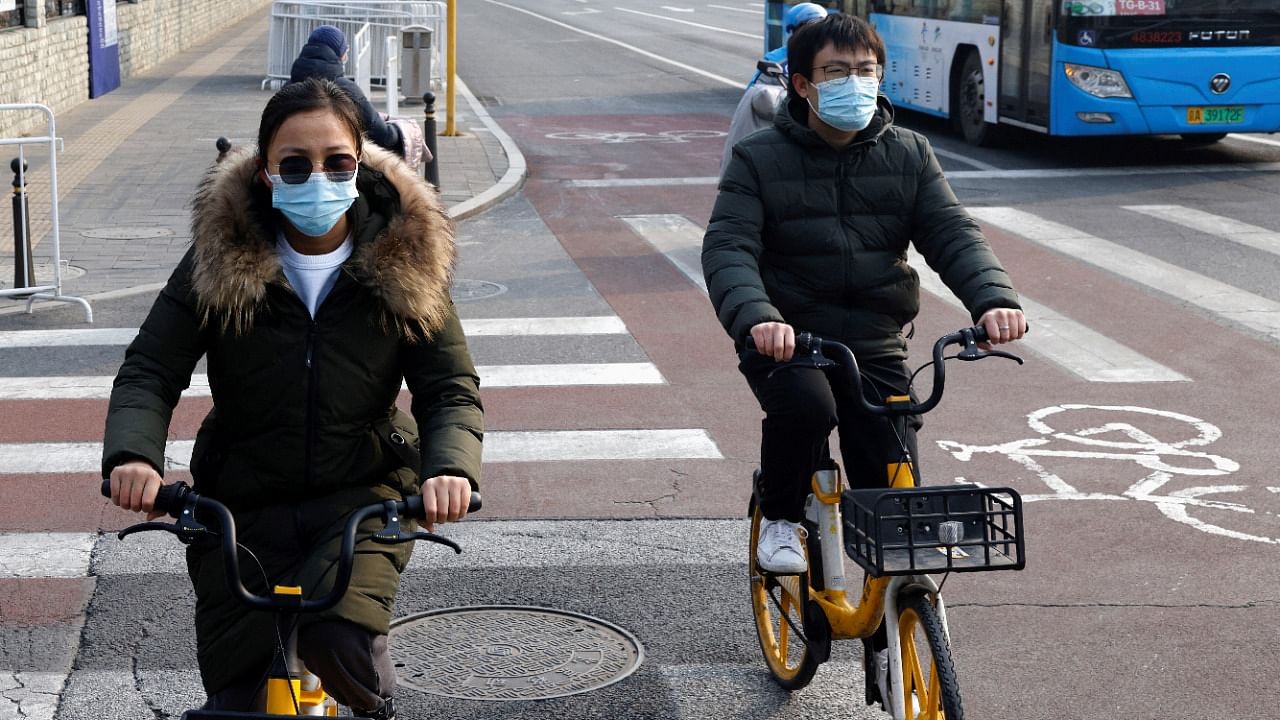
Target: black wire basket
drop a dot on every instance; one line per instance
(956, 528)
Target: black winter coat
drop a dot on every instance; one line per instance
(804, 234)
(318, 60)
(303, 408)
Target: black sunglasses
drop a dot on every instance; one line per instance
(296, 169)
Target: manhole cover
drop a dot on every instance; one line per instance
(127, 233)
(44, 274)
(510, 653)
(464, 290)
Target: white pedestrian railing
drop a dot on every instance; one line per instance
(36, 291)
(292, 21)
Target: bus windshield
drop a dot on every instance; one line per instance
(1165, 23)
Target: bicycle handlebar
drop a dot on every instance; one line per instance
(183, 504)
(808, 343)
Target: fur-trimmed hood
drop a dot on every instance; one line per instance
(404, 246)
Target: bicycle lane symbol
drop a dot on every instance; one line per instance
(1247, 512)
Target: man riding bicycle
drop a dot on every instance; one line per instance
(810, 230)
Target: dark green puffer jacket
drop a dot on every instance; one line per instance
(303, 409)
(804, 234)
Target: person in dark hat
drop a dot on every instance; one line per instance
(324, 57)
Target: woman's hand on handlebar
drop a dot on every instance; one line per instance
(444, 499)
(134, 485)
(1002, 325)
(774, 339)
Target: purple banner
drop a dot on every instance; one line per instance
(104, 47)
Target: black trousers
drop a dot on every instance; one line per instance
(802, 403)
(353, 665)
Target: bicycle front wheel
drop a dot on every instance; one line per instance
(793, 635)
(928, 682)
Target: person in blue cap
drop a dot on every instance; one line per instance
(759, 103)
(324, 57)
(794, 17)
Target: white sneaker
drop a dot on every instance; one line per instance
(882, 682)
(882, 679)
(779, 550)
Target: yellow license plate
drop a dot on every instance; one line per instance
(1230, 115)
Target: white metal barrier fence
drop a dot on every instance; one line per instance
(293, 20)
(37, 291)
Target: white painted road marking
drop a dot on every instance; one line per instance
(473, 327)
(1243, 233)
(641, 182)
(1255, 139)
(713, 28)
(98, 387)
(45, 554)
(734, 9)
(1085, 352)
(1042, 173)
(1245, 308)
(677, 238)
(632, 48)
(499, 447)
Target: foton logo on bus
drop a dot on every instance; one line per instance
(1217, 35)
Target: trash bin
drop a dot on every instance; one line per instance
(416, 49)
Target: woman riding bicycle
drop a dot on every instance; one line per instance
(810, 230)
(317, 282)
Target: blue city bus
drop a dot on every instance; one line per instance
(1196, 68)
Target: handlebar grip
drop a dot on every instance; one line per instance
(414, 508)
(980, 333)
(806, 342)
(475, 503)
(169, 498)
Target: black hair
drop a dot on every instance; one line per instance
(846, 32)
(308, 95)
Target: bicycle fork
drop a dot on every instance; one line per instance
(879, 594)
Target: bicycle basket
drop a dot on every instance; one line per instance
(958, 528)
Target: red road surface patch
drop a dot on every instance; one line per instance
(43, 601)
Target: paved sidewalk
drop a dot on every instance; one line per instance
(132, 159)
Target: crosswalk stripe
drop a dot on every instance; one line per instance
(473, 327)
(45, 554)
(677, 238)
(98, 387)
(31, 695)
(1085, 352)
(1227, 228)
(499, 447)
(1247, 309)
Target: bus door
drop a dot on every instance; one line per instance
(1026, 42)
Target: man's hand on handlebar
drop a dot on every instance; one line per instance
(134, 485)
(444, 499)
(1002, 325)
(774, 339)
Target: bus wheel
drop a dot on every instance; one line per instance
(968, 103)
(1202, 138)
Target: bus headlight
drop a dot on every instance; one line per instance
(1099, 82)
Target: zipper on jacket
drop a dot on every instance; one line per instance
(310, 418)
(846, 254)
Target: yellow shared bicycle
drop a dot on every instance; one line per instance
(901, 536)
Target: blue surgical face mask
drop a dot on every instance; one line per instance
(316, 205)
(847, 104)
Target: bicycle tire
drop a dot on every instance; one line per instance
(928, 673)
(791, 660)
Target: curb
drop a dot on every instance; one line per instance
(517, 169)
